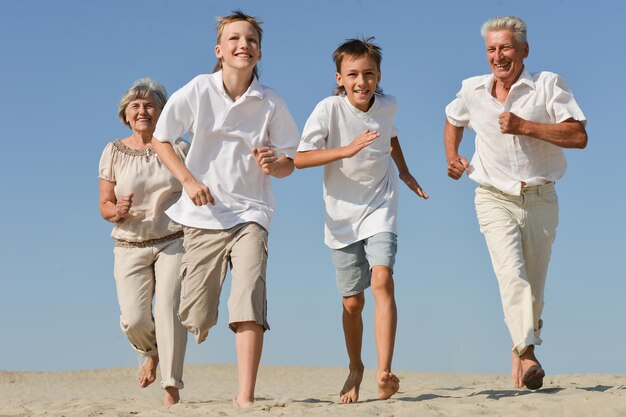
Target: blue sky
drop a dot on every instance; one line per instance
(67, 63)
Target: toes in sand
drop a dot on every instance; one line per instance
(388, 384)
(148, 371)
(350, 391)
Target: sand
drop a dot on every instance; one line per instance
(306, 391)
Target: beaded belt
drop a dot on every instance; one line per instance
(144, 244)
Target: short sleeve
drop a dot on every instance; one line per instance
(181, 147)
(105, 170)
(178, 115)
(561, 103)
(457, 112)
(315, 133)
(282, 131)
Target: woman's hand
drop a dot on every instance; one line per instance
(123, 205)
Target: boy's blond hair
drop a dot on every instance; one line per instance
(238, 16)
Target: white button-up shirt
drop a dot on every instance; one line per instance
(502, 160)
(222, 134)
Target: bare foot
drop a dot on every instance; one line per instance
(388, 384)
(350, 391)
(516, 370)
(242, 404)
(147, 372)
(171, 396)
(532, 372)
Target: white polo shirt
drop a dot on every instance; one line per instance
(360, 193)
(503, 160)
(222, 135)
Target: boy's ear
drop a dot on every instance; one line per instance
(339, 79)
(218, 52)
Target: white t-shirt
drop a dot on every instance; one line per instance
(360, 193)
(222, 135)
(503, 160)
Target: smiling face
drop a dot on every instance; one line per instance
(239, 47)
(505, 55)
(142, 114)
(359, 76)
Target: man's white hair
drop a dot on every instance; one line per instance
(512, 23)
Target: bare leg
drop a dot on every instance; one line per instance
(147, 373)
(353, 334)
(171, 396)
(532, 372)
(385, 322)
(516, 370)
(249, 343)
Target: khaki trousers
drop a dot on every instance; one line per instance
(144, 274)
(520, 231)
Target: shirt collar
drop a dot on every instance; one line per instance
(255, 89)
(524, 78)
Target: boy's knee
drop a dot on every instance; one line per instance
(354, 304)
(382, 280)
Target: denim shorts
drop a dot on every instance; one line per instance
(354, 263)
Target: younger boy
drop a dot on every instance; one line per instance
(353, 136)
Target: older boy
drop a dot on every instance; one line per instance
(241, 132)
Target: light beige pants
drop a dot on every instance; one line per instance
(520, 231)
(208, 253)
(142, 274)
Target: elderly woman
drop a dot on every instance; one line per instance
(135, 190)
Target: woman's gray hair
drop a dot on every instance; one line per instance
(512, 23)
(142, 88)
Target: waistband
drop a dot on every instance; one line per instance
(146, 243)
(533, 189)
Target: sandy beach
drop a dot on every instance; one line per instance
(306, 391)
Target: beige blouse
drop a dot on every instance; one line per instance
(154, 190)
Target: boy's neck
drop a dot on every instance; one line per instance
(236, 83)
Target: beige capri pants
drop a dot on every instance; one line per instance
(141, 275)
(208, 253)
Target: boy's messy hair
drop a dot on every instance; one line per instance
(357, 47)
(236, 16)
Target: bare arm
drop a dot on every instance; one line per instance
(314, 158)
(403, 169)
(567, 134)
(197, 191)
(113, 209)
(452, 136)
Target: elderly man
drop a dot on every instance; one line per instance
(522, 121)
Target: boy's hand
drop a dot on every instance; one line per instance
(265, 159)
(198, 192)
(413, 185)
(363, 140)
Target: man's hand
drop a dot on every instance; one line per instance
(511, 123)
(413, 185)
(457, 166)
